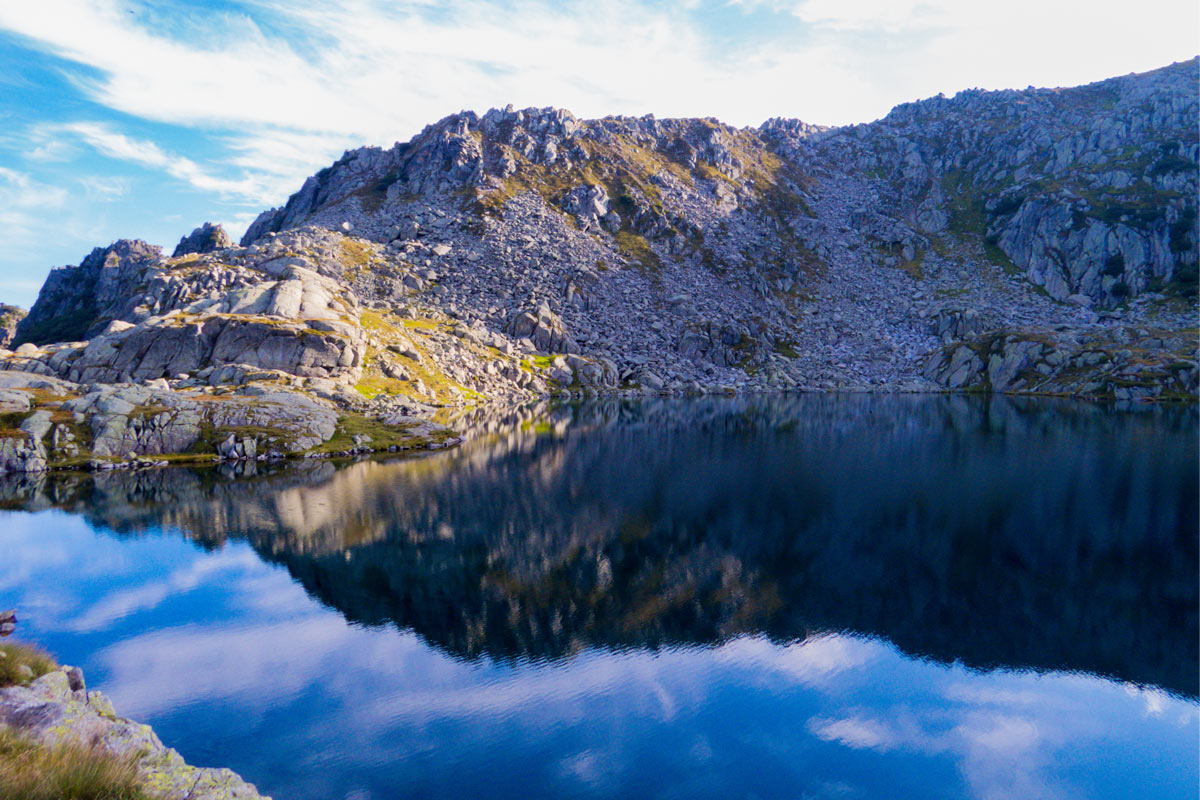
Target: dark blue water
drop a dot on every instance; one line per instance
(906, 597)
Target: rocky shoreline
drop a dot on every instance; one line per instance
(56, 709)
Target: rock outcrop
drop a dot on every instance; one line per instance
(76, 301)
(1089, 192)
(205, 239)
(1121, 364)
(57, 708)
(10, 318)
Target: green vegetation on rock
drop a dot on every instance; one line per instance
(22, 663)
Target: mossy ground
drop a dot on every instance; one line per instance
(632, 174)
(356, 257)
(635, 247)
(388, 328)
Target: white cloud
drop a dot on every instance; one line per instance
(50, 151)
(1156, 699)
(1000, 754)
(19, 190)
(860, 733)
(148, 154)
(840, 16)
(816, 661)
(24, 203)
(377, 71)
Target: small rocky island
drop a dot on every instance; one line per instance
(1040, 241)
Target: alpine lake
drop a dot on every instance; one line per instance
(815, 596)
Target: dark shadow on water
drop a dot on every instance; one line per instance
(997, 533)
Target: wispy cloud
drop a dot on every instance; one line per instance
(242, 102)
(24, 202)
(290, 81)
(379, 70)
(148, 154)
(18, 189)
(118, 605)
(102, 189)
(840, 16)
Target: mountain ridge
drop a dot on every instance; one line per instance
(1038, 240)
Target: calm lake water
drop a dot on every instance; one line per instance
(825, 596)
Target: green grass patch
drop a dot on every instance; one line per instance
(22, 663)
(356, 257)
(538, 363)
(69, 771)
(372, 386)
(375, 321)
(786, 349)
(635, 247)
(382, 435)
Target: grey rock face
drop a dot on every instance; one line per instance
(166, 321)
(74, 299)
(1089, 191)
(21, 454)
(544, 328)
(205, 239)
(10, 318)
(1128, 366)
(143, 421)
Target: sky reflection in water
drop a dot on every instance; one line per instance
(588, 612)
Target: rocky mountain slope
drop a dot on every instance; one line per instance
(1021, 241)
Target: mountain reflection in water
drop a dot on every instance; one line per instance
(996, 533)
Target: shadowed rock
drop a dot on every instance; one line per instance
(205, 239)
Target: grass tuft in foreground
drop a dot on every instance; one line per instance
(70, 771)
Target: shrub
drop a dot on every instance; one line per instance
(1182, 231)
(1008, 204)
(1115, 265)
(1169, 164)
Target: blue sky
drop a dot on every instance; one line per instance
(143, 119)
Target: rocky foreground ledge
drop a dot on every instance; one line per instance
(57, 709)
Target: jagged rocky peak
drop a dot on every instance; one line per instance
(205, 239)
(73, 298)
(788, 126)
(506, 151)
